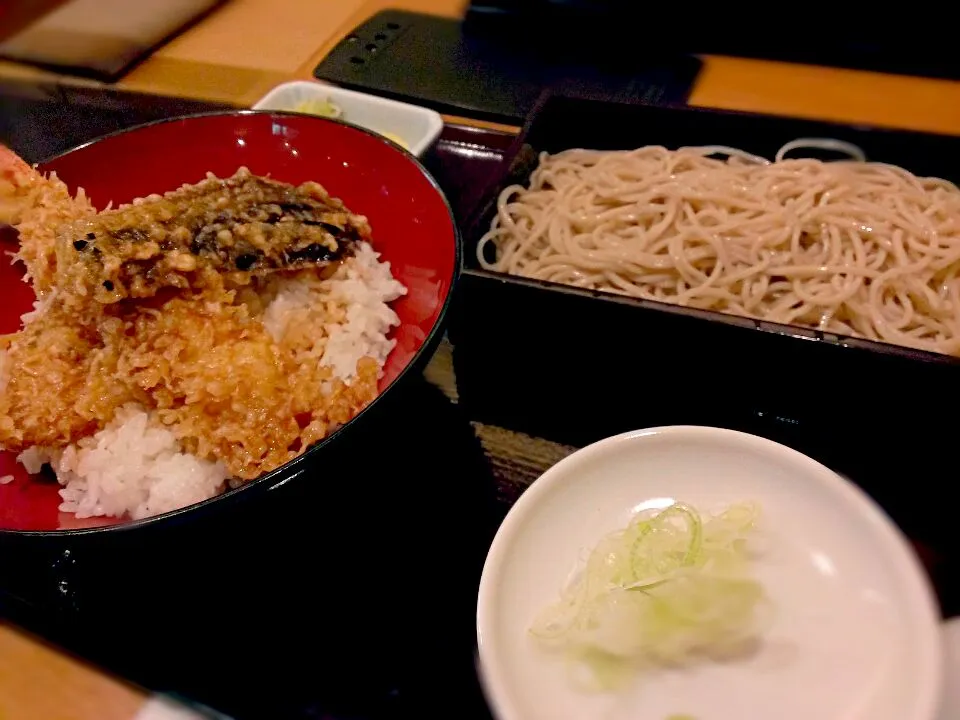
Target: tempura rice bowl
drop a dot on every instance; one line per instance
(389, 307)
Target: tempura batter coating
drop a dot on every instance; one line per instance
(36, 206)
(229, 229)
(180, 332)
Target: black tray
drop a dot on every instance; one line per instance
(460, 68)
(575, 365)
(288, 606)
(257, 635)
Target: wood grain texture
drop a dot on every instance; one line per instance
(263, 35)
(851, 96)
(37, 681)
(248, 46)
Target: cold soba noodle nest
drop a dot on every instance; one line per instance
(188, 341)
(851, 247)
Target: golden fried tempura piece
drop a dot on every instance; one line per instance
(15, 177)
(57, 379)
(36, 206)
(161, 302)
(186, 239)
(226, 389)
(213, 373)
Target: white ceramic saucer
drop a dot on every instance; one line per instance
(950, 707)
(855, 634)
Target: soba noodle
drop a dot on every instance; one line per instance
(850, 247)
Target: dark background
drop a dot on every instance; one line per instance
(872, 36)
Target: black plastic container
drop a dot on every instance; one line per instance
(323, 598)
(577, 365)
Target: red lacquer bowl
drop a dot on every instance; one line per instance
(413, 228)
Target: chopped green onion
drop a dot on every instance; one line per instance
(670, 588)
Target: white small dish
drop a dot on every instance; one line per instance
(950, 707)
(855, 632)
(417, 127)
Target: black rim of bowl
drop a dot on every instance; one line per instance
(291, 470)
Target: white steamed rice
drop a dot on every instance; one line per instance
(362, 287)
(132, 466)
(136, 466)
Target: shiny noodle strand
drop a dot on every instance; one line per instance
(849, 247)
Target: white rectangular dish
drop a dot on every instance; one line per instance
(414, 127)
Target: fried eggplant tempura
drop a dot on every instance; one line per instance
(236, 228)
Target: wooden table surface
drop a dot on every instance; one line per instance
(231, 57)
